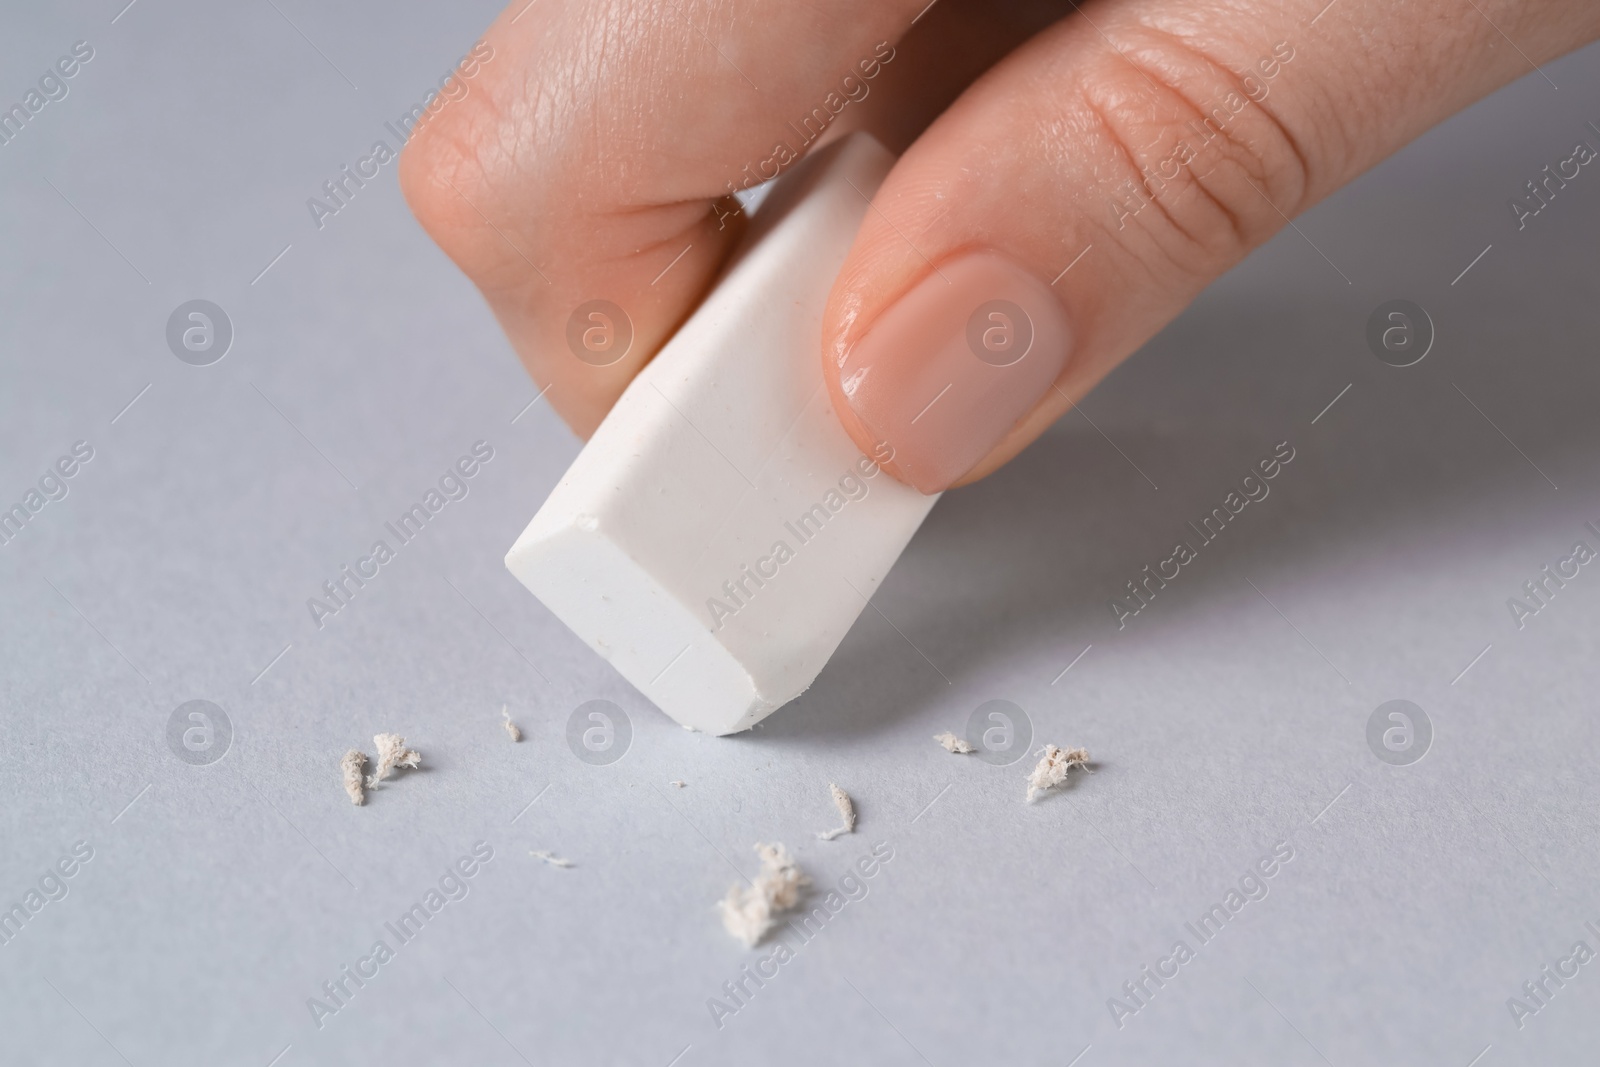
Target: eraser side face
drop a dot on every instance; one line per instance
(720, 533)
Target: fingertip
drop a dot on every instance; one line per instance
(946, 371)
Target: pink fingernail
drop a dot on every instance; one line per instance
(946, 372)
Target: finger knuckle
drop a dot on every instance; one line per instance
(1205, 168)
(451, 174)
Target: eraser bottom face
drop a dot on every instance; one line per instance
(720, 533)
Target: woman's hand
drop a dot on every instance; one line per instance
(1090, 168)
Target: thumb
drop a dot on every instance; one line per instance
(1072, 201)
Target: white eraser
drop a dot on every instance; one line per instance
(720, 533)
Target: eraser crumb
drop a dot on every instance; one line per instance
(952, 743)
(511, 727)
(677, 783)
(392, 753)
(1052, 769)
(847, 812)
(750, 912)
(551, 858)
(351, 766)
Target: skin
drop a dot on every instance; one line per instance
(594, 146)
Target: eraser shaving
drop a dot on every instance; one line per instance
(353, 768)
(1051, 770)
(550, 857)
(847, 812)
(392, 753)
(750, 912)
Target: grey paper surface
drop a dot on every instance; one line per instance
(1229, 717)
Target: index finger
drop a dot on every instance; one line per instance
(584, 179)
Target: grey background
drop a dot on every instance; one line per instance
(1223, 719)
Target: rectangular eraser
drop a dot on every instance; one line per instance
(720, 533)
